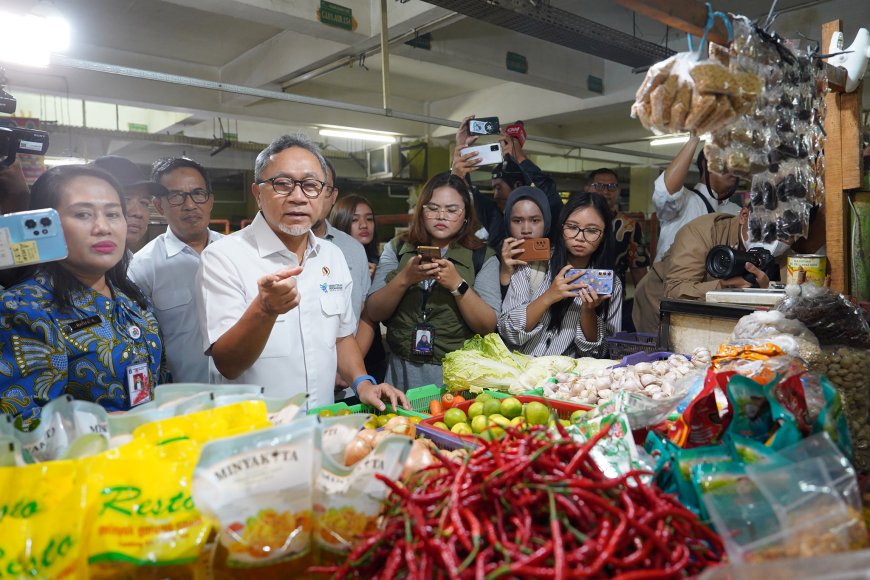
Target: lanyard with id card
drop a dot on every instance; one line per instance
(139, 387)
(423, 336)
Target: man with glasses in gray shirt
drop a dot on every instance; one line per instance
(165, 269)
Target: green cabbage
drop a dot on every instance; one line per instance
(483, 362)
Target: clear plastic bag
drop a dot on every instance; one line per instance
(833, 319)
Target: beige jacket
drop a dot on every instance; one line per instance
(682, 272)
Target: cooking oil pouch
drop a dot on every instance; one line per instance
(832, 420)
(175, 391)
(12, 454)
(258, 488)
(62, 421)
(141, 517)
(42, 509)
(337, 432)
(347, 500)
(203, 426)
(280, 411)
(684, 461)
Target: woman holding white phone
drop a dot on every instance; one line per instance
(567, 317)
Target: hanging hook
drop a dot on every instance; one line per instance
(712, 15)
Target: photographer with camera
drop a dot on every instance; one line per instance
(683, 272)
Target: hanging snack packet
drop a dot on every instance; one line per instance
(62, 421)
(259, 489)
(348, 500)
(42, 510)
(705, 418)
(141, 517)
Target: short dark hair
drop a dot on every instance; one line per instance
(283, 142)
(331, 170)
(602, 171)
(46, 193)
(166, 165)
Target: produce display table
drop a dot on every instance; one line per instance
(687, 324)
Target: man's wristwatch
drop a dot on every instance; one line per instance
(461, 289)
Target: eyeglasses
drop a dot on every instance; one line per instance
(589, 234)
(451, 212)
(604, 186)
(310, 187)
(199, 196)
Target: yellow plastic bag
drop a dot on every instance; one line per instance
(141, 517)
(203, 426)
(42, 509)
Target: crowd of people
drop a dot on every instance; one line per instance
(296, 300)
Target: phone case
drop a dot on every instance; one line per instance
(536, 250)
(600, 280)
(429, 252)
(31, 237)
(484, 126)
(489, 154)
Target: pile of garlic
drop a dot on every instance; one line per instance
(656, 380)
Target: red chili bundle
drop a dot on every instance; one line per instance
(528, 505)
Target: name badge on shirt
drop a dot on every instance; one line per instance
(78, 325)
(138, 384)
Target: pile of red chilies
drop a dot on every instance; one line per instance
(528, 505)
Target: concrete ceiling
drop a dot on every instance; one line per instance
(270, 44)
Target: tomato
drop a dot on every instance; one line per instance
(447, 400)
(435, 407)
(458, 400)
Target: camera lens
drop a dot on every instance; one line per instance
(30, 224)
(493, 147)
(46, 221)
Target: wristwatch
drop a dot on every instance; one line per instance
(461, 289)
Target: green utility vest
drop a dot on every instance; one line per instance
(451, 332)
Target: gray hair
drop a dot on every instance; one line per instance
(283, 142)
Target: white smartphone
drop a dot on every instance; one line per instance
(489, 154)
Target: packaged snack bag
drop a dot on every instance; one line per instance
(705, 418)
(259, 489)
(42, 510)
(142, 521)
(752, 417)
(348, 500)
(62, 421)
(685, 460)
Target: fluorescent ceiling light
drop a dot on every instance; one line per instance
(357, 134)
(29, 39)
(55, 161)
(671, 140)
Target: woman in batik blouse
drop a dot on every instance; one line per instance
(78, 326)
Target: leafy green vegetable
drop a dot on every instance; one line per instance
(483, 362)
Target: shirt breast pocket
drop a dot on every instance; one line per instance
(169, 299)
(278, 343)
(332, 304)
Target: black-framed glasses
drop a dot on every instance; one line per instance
(199, 196)
(591, 234)
(451, 212)
(604, 186)
(310, 187)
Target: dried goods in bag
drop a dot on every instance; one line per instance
(258, 488)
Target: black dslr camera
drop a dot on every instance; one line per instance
(15, 140)
(726, 262)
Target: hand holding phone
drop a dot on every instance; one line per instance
(488, 154)
(484, 126)
(428, 253)
(599, 280)
(535, 250)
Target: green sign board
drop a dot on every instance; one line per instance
(137, 127)
(517, 63)
(595, 84)
(423, 41)
(336, 15)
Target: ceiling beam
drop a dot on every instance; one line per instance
(690, 16)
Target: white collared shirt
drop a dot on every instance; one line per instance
(300, 354)
(357, 262)
(674, 210)
(165, 270)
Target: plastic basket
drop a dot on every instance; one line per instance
(422, 396)
(443, 439)
(359, 408)
(563, 410)
(623, 344)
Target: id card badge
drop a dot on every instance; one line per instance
(424, 339)
(138, 384)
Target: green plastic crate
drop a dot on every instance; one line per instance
(359, 408)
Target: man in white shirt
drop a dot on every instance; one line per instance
(165, 269)
(677, 205)
(275, 300)
(353, 251)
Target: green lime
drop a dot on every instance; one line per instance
(327, 413)
(475, 409)
(461, 429)
(479, 423)
(491, 407)
(371, 424)
(511, 407)
(441, 425)
(492, 433)
(536, 413)
(578, 415)
(454, 416)
(384, 419)
(517, 422)
(483, 397)
(498, 419)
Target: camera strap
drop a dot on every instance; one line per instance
(704, 199)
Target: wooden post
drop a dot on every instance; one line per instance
(842, 169)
